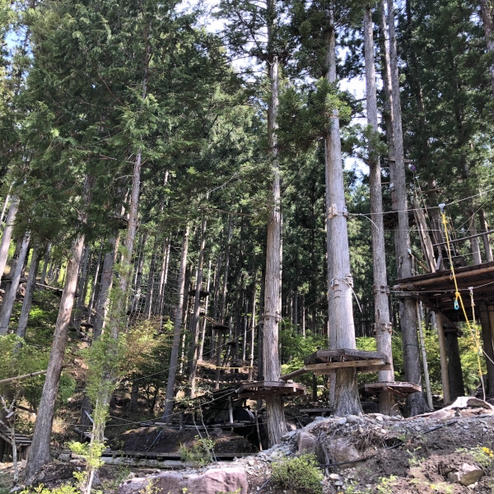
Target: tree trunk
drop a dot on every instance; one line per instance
(408, 315)
(148, 305)
(101, 306)
(7, 234)
(28, 295)
(487, 14)
(382, 319)
(485, 238)
(10, 295)
(39, 453)
(165, 266)
(205, 321)
(340, 282)
(46, 260)
(197, 306)
(77, 313)
(177, 329)
(224, 287)
(276, 424)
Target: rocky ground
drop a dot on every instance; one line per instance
(448, 451)
(445, 452)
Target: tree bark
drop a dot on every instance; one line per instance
(7, 234)
(340, 282)
(28, 295)
(486, 9)
(77, 313)
(204, 321)
(276, 423)
(11, 293)
(177, 329)
(164, 279)
(382, 319)
(197, 307)
(101, 306)
(39, 453)
(408, 316)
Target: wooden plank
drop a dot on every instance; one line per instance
(398, 386)
(331, 366)
(322, 356)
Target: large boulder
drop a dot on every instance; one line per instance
(210, 481)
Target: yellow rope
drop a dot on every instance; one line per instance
(458, 297)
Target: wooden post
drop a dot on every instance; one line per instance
(488, 342)
(443, 358)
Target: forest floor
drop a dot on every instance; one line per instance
(444, 452)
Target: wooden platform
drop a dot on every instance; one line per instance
(437, 290)
(327, 361)
(21, 440)
(263, 389)
(402, 388)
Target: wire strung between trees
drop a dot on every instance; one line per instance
(459, 298)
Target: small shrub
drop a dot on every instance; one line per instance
(200, 453)
(63, 489)
(300, 474)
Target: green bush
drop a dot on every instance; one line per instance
(300, 474)
(200, 453)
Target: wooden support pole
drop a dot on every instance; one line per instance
(443, 359)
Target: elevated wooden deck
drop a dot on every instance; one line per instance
(327, 361)
(437, 290)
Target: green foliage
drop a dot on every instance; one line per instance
(482, 455)
(41, 489)
(200, 453)
(300, 474)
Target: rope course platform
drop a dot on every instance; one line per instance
(326, 361)
(397, 387)
(437, 290)
(21, 440)
(263, 389)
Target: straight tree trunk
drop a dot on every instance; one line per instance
(148, 305)
(276, 423)
(408, 316)
(101, 306)
(197, 306)
(7, 234)
(77, 313)
(28, 295)
(177, 329)
(381, 302)
(224, 286)
(205, 321)
(485, 238)
(39, 452)
(340, 282)
(165, 267)
(10, 295)
(486, 8)
(46, 261)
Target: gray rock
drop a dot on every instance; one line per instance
(466, 475)
(306, 442)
